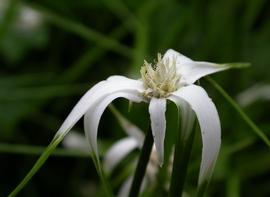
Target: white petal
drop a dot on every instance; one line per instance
(180, 59)
(93, 115)
(119, 151)
(193, 71)
(125, 188)
(75, 140)
(103, 88)
(190, 70)
(209, 123)
(157, 109)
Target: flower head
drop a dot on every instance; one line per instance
(170, 78)
(161, 78)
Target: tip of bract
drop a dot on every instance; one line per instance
(239, 65)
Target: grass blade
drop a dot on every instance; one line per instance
(244, 116)
(48, 151)
(84, 32)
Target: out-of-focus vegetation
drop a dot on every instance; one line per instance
(51, 52)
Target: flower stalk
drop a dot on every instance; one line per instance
(183, 148)
(142, 164)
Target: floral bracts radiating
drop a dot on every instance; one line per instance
(171, 77)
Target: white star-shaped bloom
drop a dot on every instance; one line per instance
(172, 78)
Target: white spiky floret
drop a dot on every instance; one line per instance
(161, 78)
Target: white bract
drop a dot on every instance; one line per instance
(257, 92)
(171, 78)
(119, 151)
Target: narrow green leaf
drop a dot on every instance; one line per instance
(102, 176)
(45, 155)
(8, 17)
(84, 32)
(122, 12)
(233, 186)
(93, 55)
(42, 92)
(37, 166)
(25, 79)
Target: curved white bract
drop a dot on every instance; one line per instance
(93, 115)
(209, 122)
(118, 152)
(190, 70)
(92, 96)
(157, 109)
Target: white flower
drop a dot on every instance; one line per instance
(170, 78)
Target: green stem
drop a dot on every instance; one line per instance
(105, 184)
(233, 185)
(180, 164)
(37, 166)
(244, 116)
(142, 164)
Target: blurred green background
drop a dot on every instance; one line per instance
(51, 52)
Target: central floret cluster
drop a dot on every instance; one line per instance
(161, 78)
